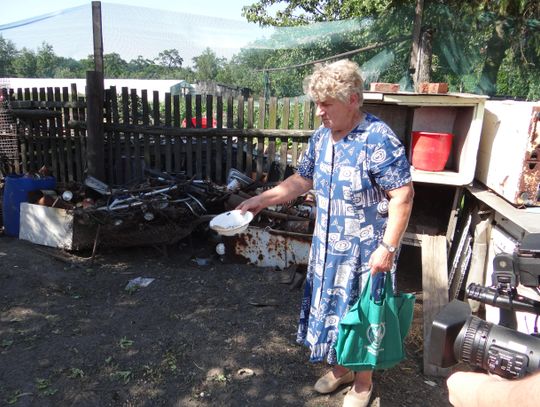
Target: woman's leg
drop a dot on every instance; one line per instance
(339, 370)
(362, 381)
(334, 378)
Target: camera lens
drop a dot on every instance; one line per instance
(471, 343)
(497, 349)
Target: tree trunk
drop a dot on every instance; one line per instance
(424, 57)
(495, 51)
(417, 29)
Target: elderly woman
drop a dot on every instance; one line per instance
(360, 174)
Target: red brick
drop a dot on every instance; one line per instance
(423, 87)
(384, 87)
(440, 87)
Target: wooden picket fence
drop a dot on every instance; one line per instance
(199, 136)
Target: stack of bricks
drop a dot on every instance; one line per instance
(430, 87)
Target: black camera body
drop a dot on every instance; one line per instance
(459, 336)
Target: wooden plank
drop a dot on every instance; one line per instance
(177, 140)
(198, 124)
(230, 120)
(250, 113)
(55, 132)
(94, 100)
(115, 118)
(25, 150)
(80, 160)
(250, 143)
(219, 112)
(168, 122)
(97, 31)
(301, 134)
(109, 138)
(284, 141)
(42, 131)
(146, 120)
(228, 158)
(261, 140)
(296, 114)
(63, 132)
(126, 139)
(31, 144)
(189, 139)
(209, 138)
(135, 162)
(240, 140)
(307, 115)
(454, 212)
(272, 124)
(434, 289)
(157, 138)
(84, 158)
(219, 141)
(54, 163)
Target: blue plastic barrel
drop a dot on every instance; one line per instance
(16, 189)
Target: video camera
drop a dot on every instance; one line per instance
(458, 336)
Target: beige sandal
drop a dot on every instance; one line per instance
(329, 383)
(353, 399)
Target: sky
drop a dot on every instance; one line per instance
(131, 28)
(16, 10)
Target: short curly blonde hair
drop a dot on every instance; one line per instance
(337, 80)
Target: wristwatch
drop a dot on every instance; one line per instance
(390, 248)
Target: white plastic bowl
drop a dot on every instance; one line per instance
(231, 223)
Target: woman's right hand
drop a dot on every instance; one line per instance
(254, 205)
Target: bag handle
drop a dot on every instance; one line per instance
(378, 287)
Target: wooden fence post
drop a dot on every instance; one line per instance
(95, 146)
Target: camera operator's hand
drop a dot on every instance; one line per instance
(467, 389)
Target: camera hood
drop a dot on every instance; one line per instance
(444, 331)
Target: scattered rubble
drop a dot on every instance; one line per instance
(162, 209)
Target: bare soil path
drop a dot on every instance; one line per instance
(214, 335)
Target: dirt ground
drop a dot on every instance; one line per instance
(199, 335)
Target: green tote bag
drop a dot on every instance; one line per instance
(371, 334)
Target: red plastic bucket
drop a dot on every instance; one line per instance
(430, 151)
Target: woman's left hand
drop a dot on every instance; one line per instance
(381, 260)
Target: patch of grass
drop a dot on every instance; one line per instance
(6, 343)
(170, 361)
(44, 387)
(153, 373)
(125, 343)
(76, 373)
(220, 378)
(17, 394)
(123, 375)
(31, 338)
(132, 289)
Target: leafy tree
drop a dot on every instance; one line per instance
(8, 52)
(25, 64)
(301, 12)
(69, 68)
(514, 27)
(472, 40)
(207, 65)
(170, 58)
(46, 61)
(114, 65)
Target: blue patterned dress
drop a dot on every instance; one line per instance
(349, 179)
